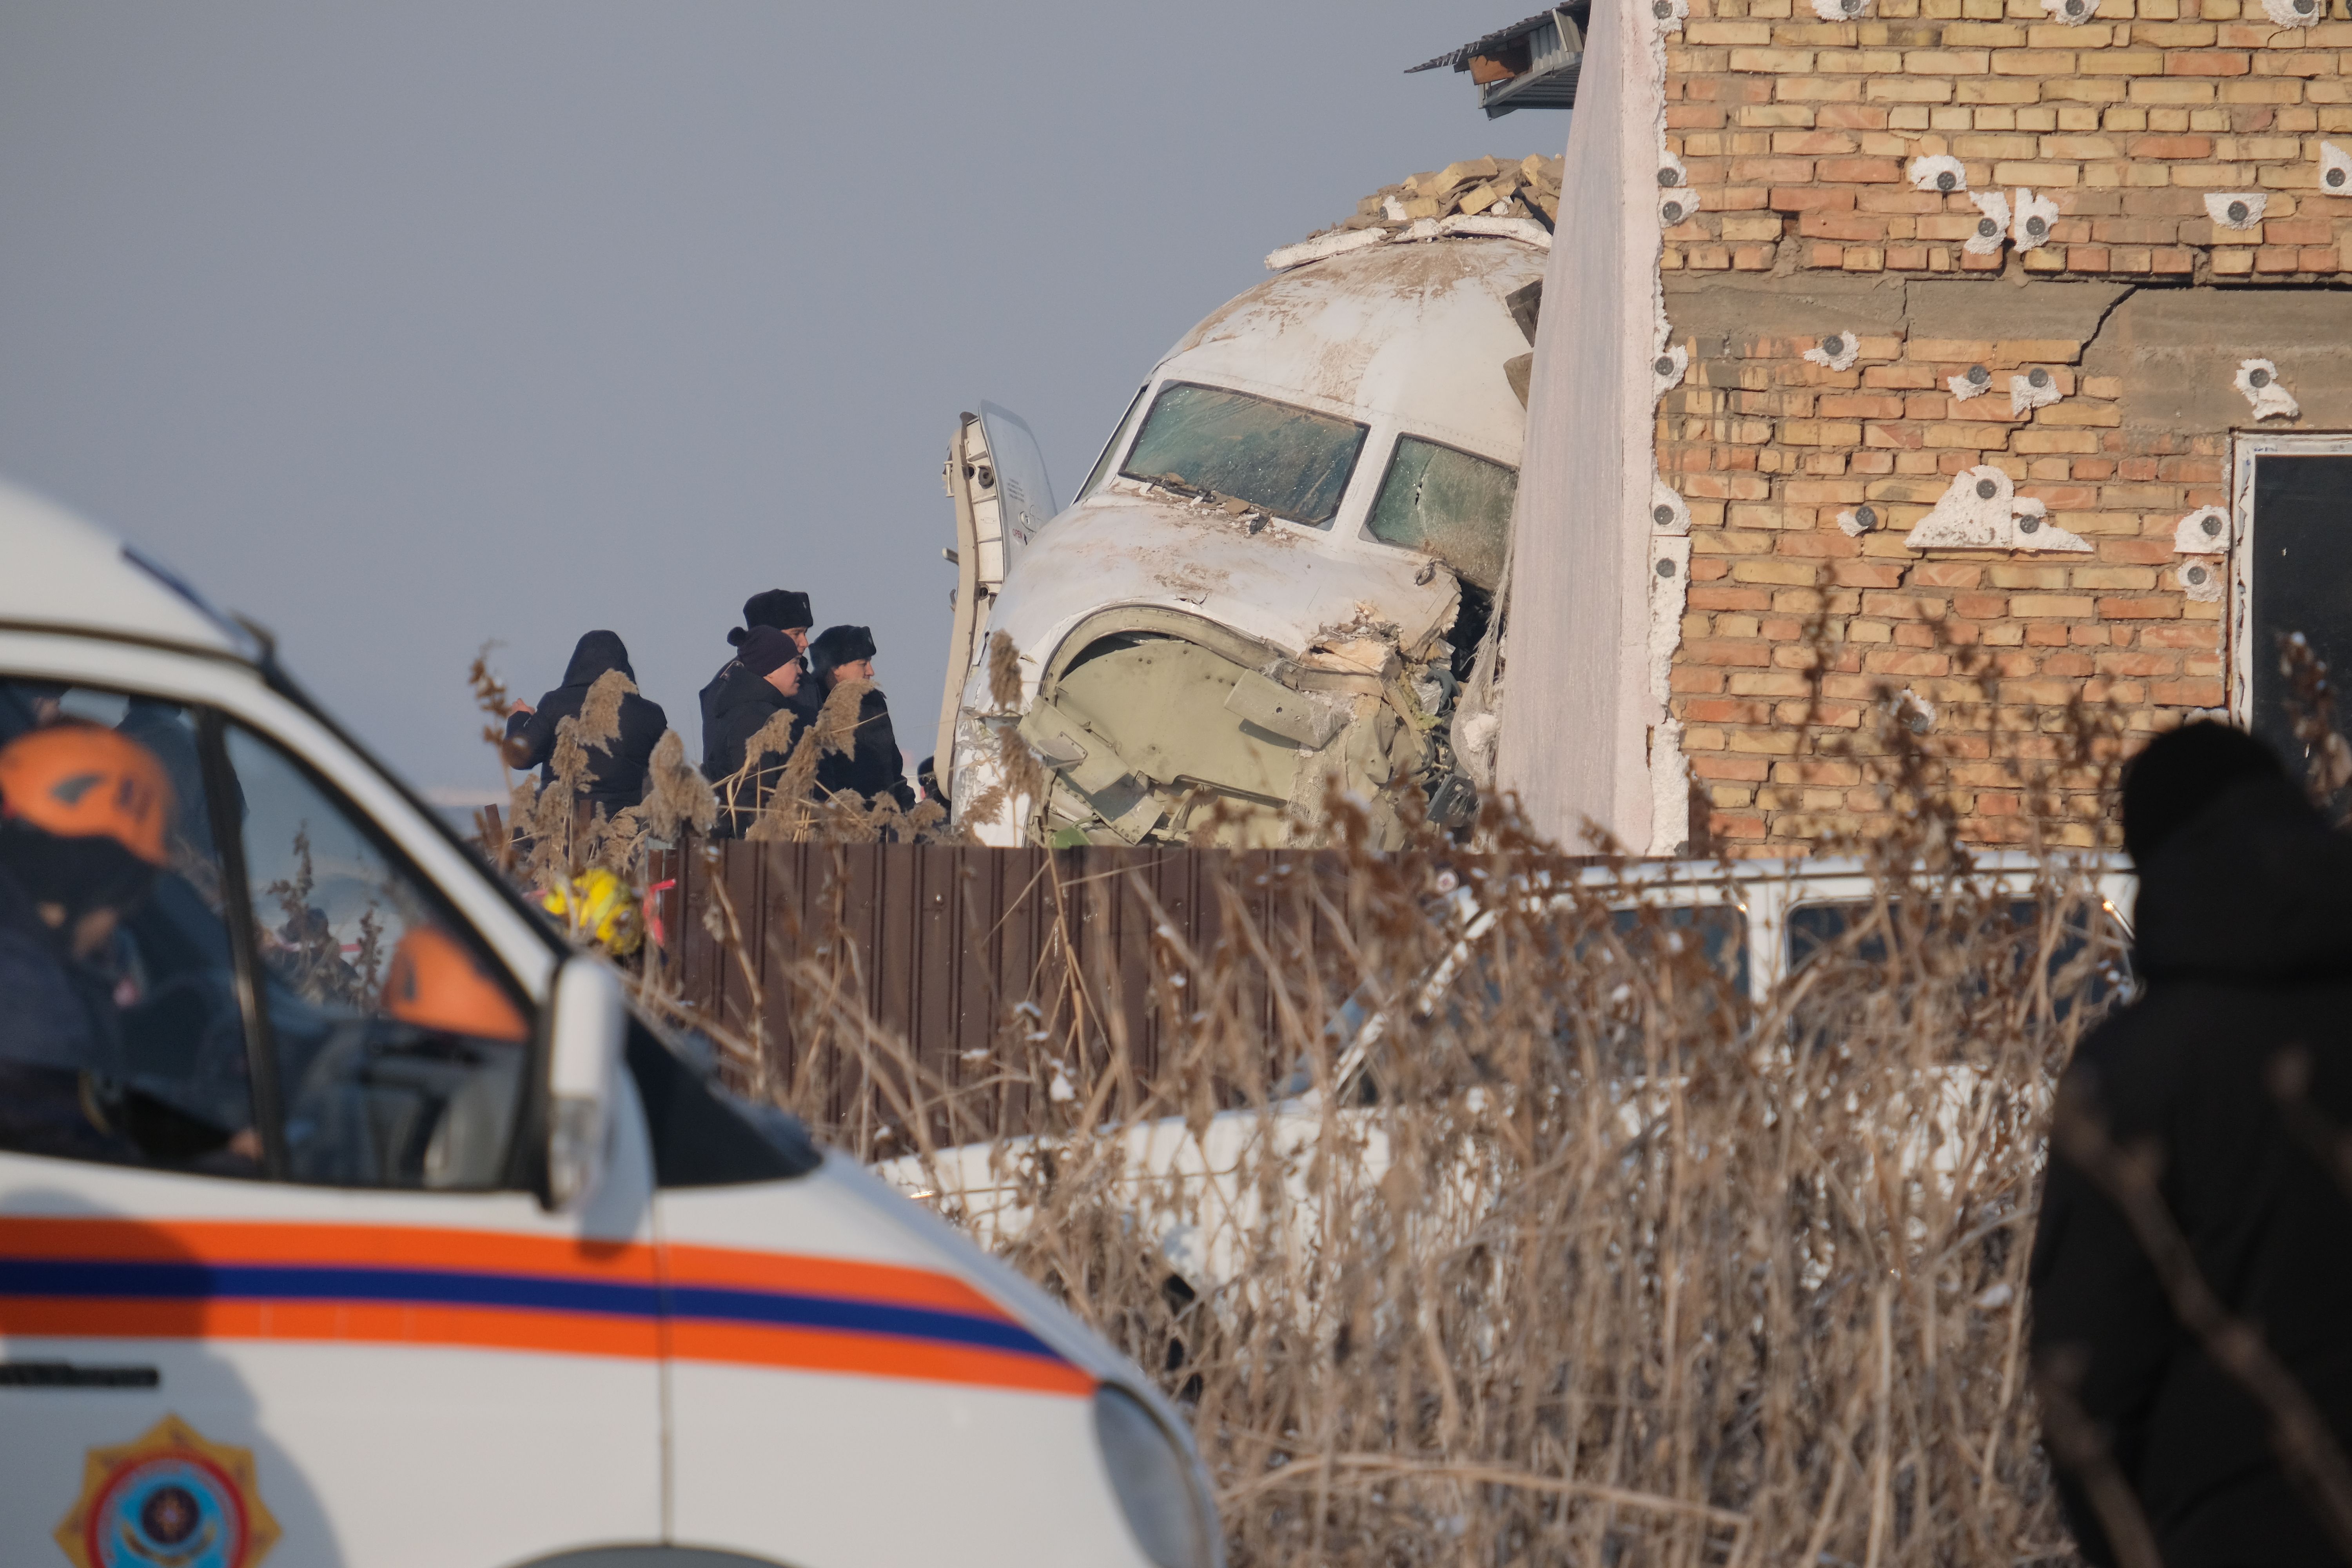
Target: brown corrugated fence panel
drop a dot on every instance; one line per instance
(938, 945)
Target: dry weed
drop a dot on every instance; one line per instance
(1478, 1210)
(1553, 1246)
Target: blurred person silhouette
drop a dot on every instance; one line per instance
(83, 816)
(2242, 1036)
(26, 705)
(164, 728)
(781, 609)
(874, 766)
(616, 769)
(764, 680)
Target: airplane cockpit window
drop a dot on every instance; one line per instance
(1104, 465)
(1230, 444)
(121, 1039)
(1449, 504)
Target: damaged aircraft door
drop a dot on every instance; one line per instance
(996, 476)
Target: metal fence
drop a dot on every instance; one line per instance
(811, 950)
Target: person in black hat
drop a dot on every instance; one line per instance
(762, 680)
(783, 609)
(2241, 1042)
(874, 766)
(616, 770)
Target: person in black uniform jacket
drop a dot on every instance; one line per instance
(763, 681)
(2244, 944)
(616, 771)
(779, 608)
(874, 766)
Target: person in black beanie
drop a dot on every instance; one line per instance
(783, 609)
(764, 681)
(2240, 1040)
(874, 765)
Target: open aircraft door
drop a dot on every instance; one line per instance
(996, 476)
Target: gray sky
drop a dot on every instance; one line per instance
(400, 328)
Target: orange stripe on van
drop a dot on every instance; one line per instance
(545, 1333)
(114, 1240)
(731, 1268)
(816, 1350)
(334, 1322)
(263, 1293)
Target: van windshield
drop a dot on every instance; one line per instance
(1448, 504)
(1283, 459)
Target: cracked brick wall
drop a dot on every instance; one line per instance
(2124, 316)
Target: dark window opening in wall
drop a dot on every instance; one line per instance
(2299, 566)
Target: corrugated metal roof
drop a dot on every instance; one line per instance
(1460, 59)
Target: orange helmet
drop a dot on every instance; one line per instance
(81, 781)
(435, 983)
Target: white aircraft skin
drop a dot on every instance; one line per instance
(802, 1369)
(1408, 339)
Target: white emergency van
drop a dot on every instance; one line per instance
(369, 1226)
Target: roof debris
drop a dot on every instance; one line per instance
(1475, 187)
(1531, 64)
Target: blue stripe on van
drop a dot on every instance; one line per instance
(199, 1281)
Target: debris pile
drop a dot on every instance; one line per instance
(1476, 187)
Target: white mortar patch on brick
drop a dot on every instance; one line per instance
(2258, 379)
(1669, 769)
(1669, 790)
(1840, 10)
(2204, 531)
(1669, 15)
(1992, 226)
(1835, 352)
(2235, 209)
(2073, 13)
(1669, 594)
(1973, 382)
(2200, 579)
(1911, 710)
(1671, 176)
(1982, 510)
(2295, 13)
(1940, 173)
(2031, 219)
(1677, 207)
(2036, 388)
(1667, 369)
(1669, 513)
(2335, 170)
(1856, 521)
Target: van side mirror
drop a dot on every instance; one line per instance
(587, 1019)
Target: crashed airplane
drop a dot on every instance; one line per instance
(1281, 574)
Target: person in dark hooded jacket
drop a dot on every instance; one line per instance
(2244, 939)
(782, 609)
(874, 765)
(763, 681)
(616, 770)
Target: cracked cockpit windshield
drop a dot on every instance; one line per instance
(1448, 504)
(1281, 459)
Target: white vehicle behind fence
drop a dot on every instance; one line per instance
(1194, 1195)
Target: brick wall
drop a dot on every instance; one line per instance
(1796, 136)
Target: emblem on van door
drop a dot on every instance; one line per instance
(168, 1499)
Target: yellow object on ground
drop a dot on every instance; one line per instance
(598, 904)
